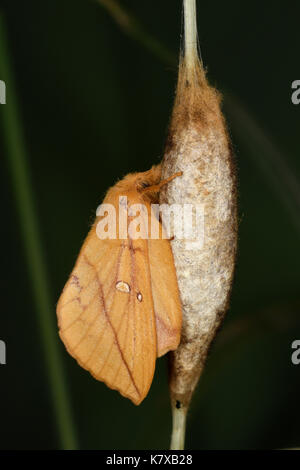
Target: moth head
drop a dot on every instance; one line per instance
(137, 182)
(148, 178)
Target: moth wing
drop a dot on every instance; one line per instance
(166, 297)
(106, 314)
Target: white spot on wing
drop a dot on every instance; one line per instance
(123, 287)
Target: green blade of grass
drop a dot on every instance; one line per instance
(22, 189)
(132, 27)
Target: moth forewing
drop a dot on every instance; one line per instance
(120, 308)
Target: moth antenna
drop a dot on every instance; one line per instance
(157, 187)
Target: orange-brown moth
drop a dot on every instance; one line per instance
(120, 308)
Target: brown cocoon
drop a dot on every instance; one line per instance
(198, 145)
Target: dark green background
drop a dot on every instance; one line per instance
(94, 105)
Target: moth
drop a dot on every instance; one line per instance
(120, 308)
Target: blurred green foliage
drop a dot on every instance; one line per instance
(94, 106)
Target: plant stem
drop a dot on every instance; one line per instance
(22, 188)
(190, 33)
(189, 62)
(178, 430)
